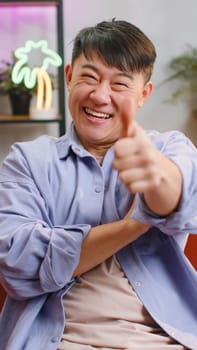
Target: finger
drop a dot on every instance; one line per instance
(127, 120)
(136, 143)
(123, 147)
(129, 126)
(138, 180)
(129, 161)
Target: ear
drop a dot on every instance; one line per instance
(68, 74)
(147, 90)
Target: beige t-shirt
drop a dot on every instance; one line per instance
(103, 311)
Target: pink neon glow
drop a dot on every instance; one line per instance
(20, 23)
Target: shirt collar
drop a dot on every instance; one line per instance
(69, 142)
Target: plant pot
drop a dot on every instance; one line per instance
(20, 103)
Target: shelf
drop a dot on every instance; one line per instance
(29, 3)
(59, 39)
(6, 119)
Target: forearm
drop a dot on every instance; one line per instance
(105, 240)
(146, 170)
(165, 197)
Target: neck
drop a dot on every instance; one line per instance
(98, 151)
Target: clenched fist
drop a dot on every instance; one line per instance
(144, 169)
(138, 161)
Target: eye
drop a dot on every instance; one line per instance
(89, 77)
(120, 85)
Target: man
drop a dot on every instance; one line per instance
(93, 224)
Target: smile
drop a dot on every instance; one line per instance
(95, 114)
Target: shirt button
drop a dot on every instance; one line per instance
(138, 283)
(77, 150)
(55, 339)
(98, 189)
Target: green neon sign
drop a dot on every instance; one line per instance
(21, 72)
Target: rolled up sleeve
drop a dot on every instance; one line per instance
(36, 256)
(181, 151)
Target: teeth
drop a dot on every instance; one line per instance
(97, 114)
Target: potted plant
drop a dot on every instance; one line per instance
(19, 95)
(183, 69)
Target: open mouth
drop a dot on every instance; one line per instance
(98, 115)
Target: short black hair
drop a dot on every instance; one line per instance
(119, 43)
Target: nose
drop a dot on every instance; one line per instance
(101, 93)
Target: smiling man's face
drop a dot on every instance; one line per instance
(97, 94)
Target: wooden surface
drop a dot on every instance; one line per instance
(9, 118)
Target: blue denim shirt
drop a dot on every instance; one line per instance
(52, 191)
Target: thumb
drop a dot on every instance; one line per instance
(127, 121)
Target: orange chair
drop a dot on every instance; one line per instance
(191, 250)
(2, 296)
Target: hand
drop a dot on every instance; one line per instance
(142, 168)
(137, 160)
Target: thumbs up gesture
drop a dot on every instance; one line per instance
(144, 169)
(135, 157)
(136, 160)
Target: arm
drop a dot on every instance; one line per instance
(37, 259)
(178, 149)
(168, 189)
(144, 169)
(105, 240)
(36, 255)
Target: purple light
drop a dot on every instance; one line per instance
(20, 23)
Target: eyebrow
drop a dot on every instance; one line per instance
(125, 74)
(121, 73)
(87, 65)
